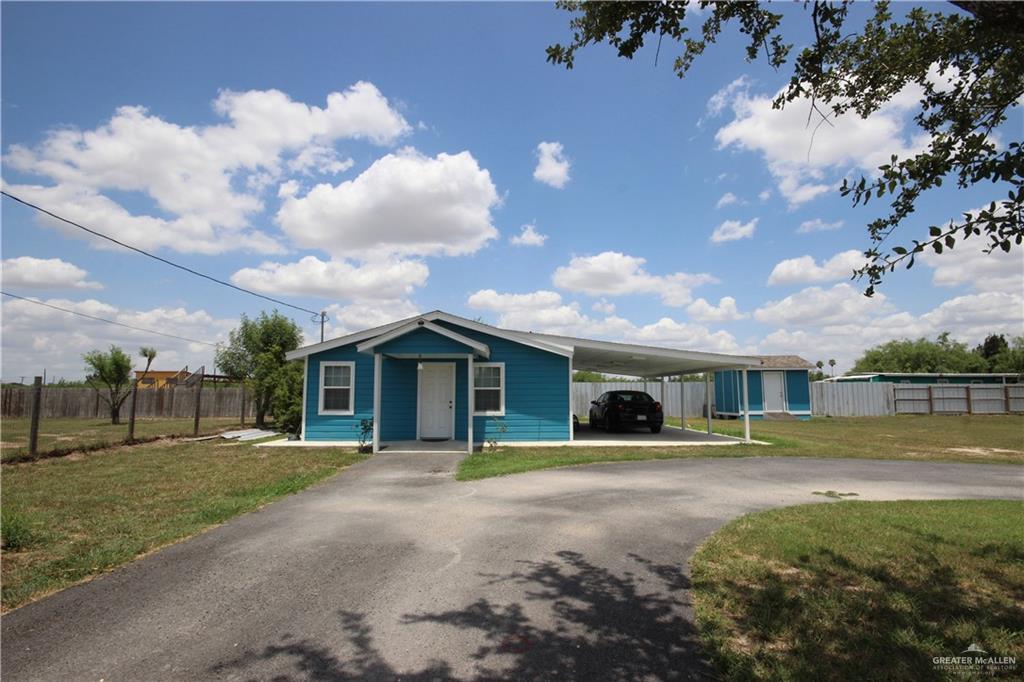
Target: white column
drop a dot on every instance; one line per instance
(572, 433)
(469, 403)
(682, 402)
(707, 397)
(376, 401)
(305, 384)
(746, 409)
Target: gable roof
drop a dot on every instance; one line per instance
(784, 362)
(413, 325)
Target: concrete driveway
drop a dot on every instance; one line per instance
(394, 570)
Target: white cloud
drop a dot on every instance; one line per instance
(815, 306)
(727, 199)
(603, 306)
(721, 99)
(26, 272)
(404, 204)
(336, 279)
(764, 195)
(36, 337)
(784, 139)
(552, 165)
(546, 312)
(732, 230)
(615, 274)
(968, 264)
(726, 311)
(804, 269)
(354, 317)
(818, 225)
(195, 175)
(528, 237)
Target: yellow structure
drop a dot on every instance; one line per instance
(157, 378)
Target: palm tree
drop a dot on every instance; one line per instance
(832, 366)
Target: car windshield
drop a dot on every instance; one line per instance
(632, 397)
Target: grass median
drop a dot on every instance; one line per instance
(976, 439)
(67, 519)
(861, 590)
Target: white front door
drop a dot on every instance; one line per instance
(437, 400)
(774, 392)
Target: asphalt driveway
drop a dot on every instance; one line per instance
(394, 570)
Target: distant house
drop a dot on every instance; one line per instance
(779, 387)
(161, 378)
(928, 378)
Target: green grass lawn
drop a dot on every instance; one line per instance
(57, 436)
(66, 519)
(996, 439)
(861, 590)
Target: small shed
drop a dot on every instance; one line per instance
(780, 387)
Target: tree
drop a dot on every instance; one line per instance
(1011, 358)
(940, 356)
(588, 376)
(113, 370)
(255, 355)
(832, 367)
(969, 69)
(286, 402)
(991, 348)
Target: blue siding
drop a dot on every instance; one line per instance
(755, 394)
(423, 341)
(537, 390)
(339, 427)
(798, 390)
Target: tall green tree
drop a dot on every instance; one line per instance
(113, 371)
(1011, 358)
(991, 348)
(978, 55)
(922, 355)
(255, 355)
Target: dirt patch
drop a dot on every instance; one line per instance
(984, 452)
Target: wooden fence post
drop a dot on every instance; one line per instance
(241, 399)
(33, 432)
(131, 412)
(199, 394)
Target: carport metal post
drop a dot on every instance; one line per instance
(746, 409)
(469, 403)
(682, 402)
(707, 397)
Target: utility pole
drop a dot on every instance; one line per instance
(323, 318)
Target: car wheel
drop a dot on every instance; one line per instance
(655, 429)
(593, 423)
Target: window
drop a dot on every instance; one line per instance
(942, 381)
(489, 388)
(337, 382)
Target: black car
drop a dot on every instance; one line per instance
(616, 410)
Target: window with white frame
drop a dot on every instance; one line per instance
(489, 388)
(337, 387)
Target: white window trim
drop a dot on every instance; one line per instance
(351, 388)
(500, 412)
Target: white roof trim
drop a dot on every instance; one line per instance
(668, 353)
(355, 337)
(518, 337)
(420, 323)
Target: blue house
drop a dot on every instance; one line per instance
(438, 377)
(780, 386)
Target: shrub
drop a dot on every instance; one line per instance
(16, 530)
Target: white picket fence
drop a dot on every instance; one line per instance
(666, 393)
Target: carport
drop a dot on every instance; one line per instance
(651, 362)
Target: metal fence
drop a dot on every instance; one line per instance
(179, 402)
(667, 393)
(852, 400)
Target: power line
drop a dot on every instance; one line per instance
(103, 319)
(319, 315)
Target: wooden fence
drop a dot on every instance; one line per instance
(168, 402)
(585, 391)
(958, 398)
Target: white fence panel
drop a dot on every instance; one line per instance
(667, 393)
(988, 399)
(1015, 398)
(912, 399)
(949, 398)
(852, 400)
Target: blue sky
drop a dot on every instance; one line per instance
(375, 160)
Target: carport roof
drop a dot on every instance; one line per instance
(643, 361)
